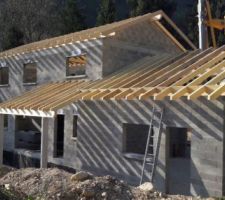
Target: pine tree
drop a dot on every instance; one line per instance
(107, 12)
(192, 24)
(140, 7)
(72, 18)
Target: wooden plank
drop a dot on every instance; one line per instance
(207, 56)
(63, 102)
(121, 74)
(55, 94)
(167, 72)
(135, 94)
(111, 94)
(208, 73)
(24, 99)
(128, 75)
(174, 40)
(135, 78)
(197, 93)
(149, 93)
(8, 102)
(122, 94)
(200, 70)
(90, 94)
(219, 77)
(33, 103)
(179, 93)
(216, 93)
(161, 95)
(178, 30)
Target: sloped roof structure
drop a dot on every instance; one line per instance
(108, 30)
(189, 75)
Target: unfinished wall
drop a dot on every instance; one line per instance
(100, 140)
(135, 42)
(51, 67)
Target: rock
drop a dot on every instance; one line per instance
(7, 186)
(88, 193)
(147, 187)
(81, 176)
(104, 194)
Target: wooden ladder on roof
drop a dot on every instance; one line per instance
(152, 145)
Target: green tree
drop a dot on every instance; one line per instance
(140, 7)
(72, 19)
(107, 12)
(24, 21)
(14, 38)
(192, 24)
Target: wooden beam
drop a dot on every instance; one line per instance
(197, 93)
(111, 94)
(149, 93)
(216, 93)
(200, 70)
(178, 30)
(203, 57)
(62, 102)
(169, 73)
(161, 95)
(90, 94)
(174, 40)
(123, 94)
(181, 92)
(100, 94)
(135, 94)
(146, 82)
(208, 73)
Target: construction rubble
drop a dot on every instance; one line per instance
(56, 184)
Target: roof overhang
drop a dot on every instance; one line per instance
(188, 75)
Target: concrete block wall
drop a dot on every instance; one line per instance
(69, 158)
(51, 67)
(99, 145)
(51, 64)
(133, 43)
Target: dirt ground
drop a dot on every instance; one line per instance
(56, 184)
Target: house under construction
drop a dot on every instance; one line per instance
(86, 101)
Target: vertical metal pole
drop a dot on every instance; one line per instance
(201, 26)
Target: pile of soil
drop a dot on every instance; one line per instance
(56, 184)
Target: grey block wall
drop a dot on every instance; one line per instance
(133, 43)
(51, 67)
(99, 145)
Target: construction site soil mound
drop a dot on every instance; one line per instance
(56, 184)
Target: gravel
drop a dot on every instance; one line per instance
(56, 184)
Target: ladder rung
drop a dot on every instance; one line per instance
(149, 163)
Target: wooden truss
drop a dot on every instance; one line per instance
(108, 30)
(188, 75)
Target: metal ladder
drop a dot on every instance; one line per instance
(150, 157)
